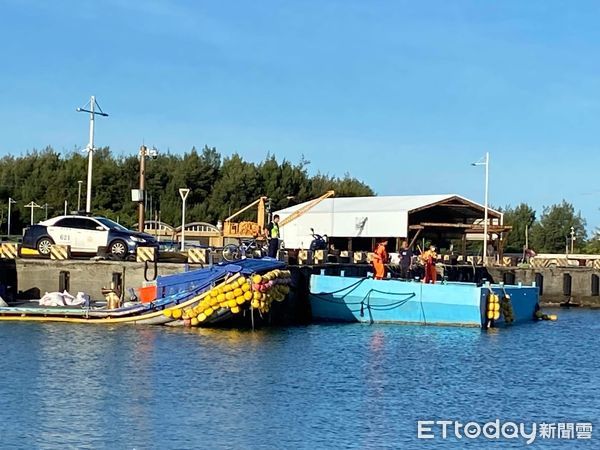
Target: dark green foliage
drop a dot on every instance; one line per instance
(520, 218)
(218, 186)
(552, 232)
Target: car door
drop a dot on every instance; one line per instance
(91, 235)
(64, 232)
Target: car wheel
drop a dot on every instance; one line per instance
(118, 249)
(43, 246)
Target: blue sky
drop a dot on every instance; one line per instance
(401, 94)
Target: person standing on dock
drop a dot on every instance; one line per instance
(429, 258)
(406, 256)
(380, 257)
(272, 233)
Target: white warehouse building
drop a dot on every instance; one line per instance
(354, 223)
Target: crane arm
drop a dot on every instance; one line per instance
(245, 208)
(305, 208)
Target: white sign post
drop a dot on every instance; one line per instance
(183, 192)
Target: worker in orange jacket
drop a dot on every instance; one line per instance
(380, 257)
(429, 258)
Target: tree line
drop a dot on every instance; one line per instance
(550, 232)
(219, 185)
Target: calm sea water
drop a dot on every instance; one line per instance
(319, 386)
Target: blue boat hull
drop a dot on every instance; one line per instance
(348, 299)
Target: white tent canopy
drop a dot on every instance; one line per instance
(370, 217)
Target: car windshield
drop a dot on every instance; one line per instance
(110, 224)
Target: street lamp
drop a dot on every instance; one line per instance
(572, 238)
(183, 192)
(485, 161)
(32, 205)
(90, 148)
(10, 202)
(80, 182)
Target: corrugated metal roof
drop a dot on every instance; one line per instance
(390, 203)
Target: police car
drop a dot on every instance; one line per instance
(85, 234)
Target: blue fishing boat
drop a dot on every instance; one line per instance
(351, 299)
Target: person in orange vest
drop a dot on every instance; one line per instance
(429, 258)
(380, 257)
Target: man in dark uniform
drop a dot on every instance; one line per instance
(406, 256)
(272, 233)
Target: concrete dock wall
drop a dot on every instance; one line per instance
(32, 278)
(555, 282)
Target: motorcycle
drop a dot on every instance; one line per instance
(318, 242)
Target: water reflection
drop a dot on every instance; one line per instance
(316, 386)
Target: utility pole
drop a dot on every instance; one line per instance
(144, 153)
(90, 148)
(141, 205)
(78, 196)
(10, 202)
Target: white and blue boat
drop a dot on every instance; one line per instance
(352, 299)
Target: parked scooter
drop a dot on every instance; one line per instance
(319, 242)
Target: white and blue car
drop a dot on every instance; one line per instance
(85, 234)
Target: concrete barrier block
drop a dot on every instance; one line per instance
(197, 256)
(359, 257)
(60, 252)
(9, 250)
(319, 256)
(144, 254)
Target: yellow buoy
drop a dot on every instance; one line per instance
(496, 315)
(241, 281)
(235, 310)
(229, 296)
(490, 315)
(237, 292)
(248, 295)
(201, 317)
(221, 297)
(240, 300)
(246, 287)
(496, 307)
(194, 322)
(256, 279)
(226, 288)
(176, 314)
(553, 317)
(256, 295)
(168, 313)
(209, 311)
